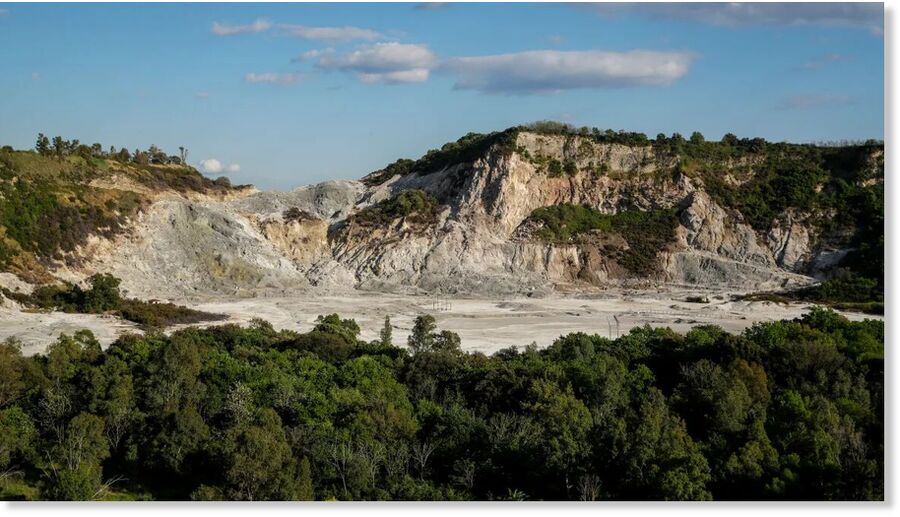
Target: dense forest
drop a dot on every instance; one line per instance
(789, 410)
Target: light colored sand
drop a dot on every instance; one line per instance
(36, 330)
(483, 324)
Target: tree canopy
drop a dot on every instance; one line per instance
(785, 410)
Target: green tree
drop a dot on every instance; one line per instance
(565, 422)
(304, 482)
(76, 470)
(387, 332)
(59, 147)
(17, 437)
(421, 339)
(182, 434)
(260, 464)
(11, 368)
(103, 294)
(42, 146)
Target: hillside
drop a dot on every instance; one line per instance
(54, 207)
(527, 210)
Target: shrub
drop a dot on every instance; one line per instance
(645, 232)
(417, 206)
(162, 315)
(554, 168)
(104, 296)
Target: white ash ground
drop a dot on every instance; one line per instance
(485, 325)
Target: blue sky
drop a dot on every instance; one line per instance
(282, 95)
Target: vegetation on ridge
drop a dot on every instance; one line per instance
(835, 190)
(49, 205)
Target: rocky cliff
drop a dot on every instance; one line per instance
(488, 215)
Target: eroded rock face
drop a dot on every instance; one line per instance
(791, 242)
(708, 228)
(476, 244)
(181, 248)
(304, 241)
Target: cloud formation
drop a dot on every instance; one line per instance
(330, 34)
(273, 78)
(550, 71)
(868, 16)
(380, 63)
(213, 166)
(812, 101)
(201, 95)
(221, 29)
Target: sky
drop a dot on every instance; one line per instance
(283, 95)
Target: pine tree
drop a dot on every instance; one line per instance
(43, 145)
(387, 332)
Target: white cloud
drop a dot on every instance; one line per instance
(273, 78)
(221, 29)
(812, 101)
(312, 55)
(330, 34)
(213, 166)
(380, 63)
(550, 71)
(868, 15)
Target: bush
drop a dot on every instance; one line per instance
(104, 296)
(416, 206)
(162, 315)
(848, 291)
(645, 232)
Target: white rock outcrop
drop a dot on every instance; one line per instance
(476, 244)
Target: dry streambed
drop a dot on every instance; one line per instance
(485, 325)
